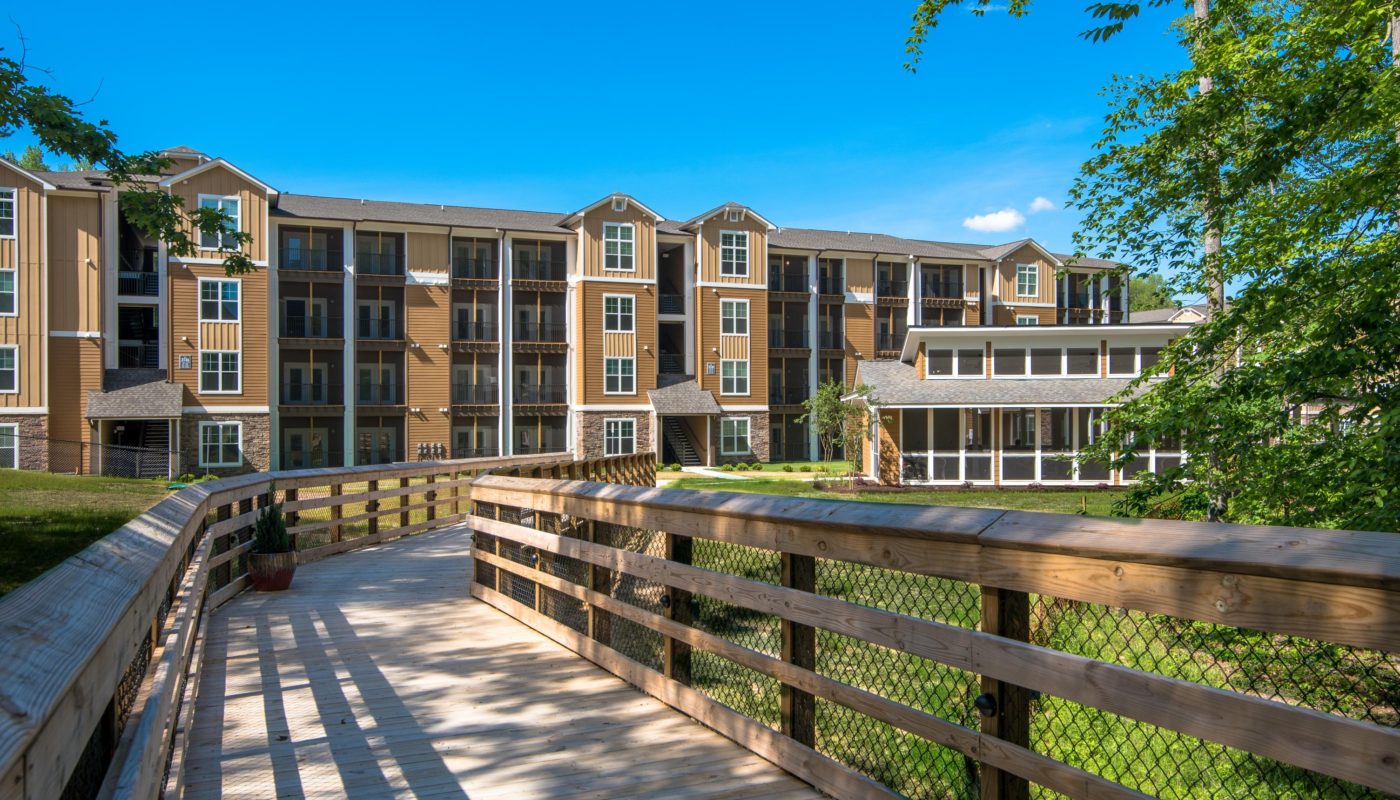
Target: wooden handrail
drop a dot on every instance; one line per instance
(1335, 587)
(125, 615)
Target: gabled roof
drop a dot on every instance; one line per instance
(897, 383)
(136, 394)
(211, 164)
(1001, 251)
(691, 223)
(574, 218)
(683, 397)
(1186, 315)
(183, 150)
(26, 173)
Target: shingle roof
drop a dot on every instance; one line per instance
(813, 239)
(136, 394)
(91, 180)
(343, 208)
(1169, 314)
(684, 397)
(897, 383)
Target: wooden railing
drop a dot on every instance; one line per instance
(891, 650)
(96, 655)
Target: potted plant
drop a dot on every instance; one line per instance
(272, 561)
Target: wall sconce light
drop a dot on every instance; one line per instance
(442, 347)
(646, 347)
(714, 350)
(714, 291)
(412, 345)
(415, 410)
(185, 339)
(444, 410)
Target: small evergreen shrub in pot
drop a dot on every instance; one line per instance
(272, 560)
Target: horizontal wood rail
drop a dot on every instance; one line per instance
(98, 655)
(1081, 618)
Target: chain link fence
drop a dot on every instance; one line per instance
(62, 456)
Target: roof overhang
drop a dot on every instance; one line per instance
(211, 164)
(48, 187)
(577, 216)
(695, 222)
(916, 335)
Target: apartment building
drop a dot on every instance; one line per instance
(376, 331)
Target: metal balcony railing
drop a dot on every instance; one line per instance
(474, 452)
(378, 264)
(476, 268)
(888, 288)
(787, 281)
(950, 290)
(318, 326)
(316, 259)
(540, 393)
(539, 332)
(138, 284)
(786, 395)
(378, 393)
(142, 355)
(671, 303)
(828, 340)
(311, 393)
(831, 285)
(377, 327)
(465, 393)
(889, 341)
(465, 331)
(787, 337)
(539, 271)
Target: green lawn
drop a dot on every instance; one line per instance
(47, 518)
(1094, 502)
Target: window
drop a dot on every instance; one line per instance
(1022, 319)
(970, 363)
(220, 444)
(1008, 362)
(218, 371)
(9, 447)
(734, 436)
(7, 292)
(619, 437)
(618, 241)
(734, 253)
(230, 206)
(1027, 280)
(9, 369)
(1122, 360)
(618, 314)
(218, 301)
(940, 362)
(1045, 361)
(7, 213)
(734, 377)
(1082, 361)
(1150, 357)
(734, 317)
(619, 204)
(966, 363)
(619, 376)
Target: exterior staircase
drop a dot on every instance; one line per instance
(678, 443)
(671, 364)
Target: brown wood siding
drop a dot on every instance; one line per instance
(1006, 277)
(709, 251)
(860, 337)
(644, 242)
(253, 327)
(919, 362)
(594, 345)
(428, 367)
(252, 206)
(709, 342)
(24, 254)
(890, 467)
(1006, 314)
(75, 263)
(429, 251)
(860, 275)
(69, 386)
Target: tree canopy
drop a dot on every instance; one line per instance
(1146, 292)
(1287, 400)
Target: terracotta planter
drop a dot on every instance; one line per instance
(271, 572)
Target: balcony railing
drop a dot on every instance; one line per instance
(831, 286)
(539, 271)
(378, 264)
(787, 337)
(320, 459)
(540, 393)
(670, 303)
(474, 452)
(316, 259)
(142, 355)
(377, 327)
(475, 268)
(311, 394)
(889, 341)
(539, 332)
(828, 340)
(950, 290)
(541, 448)
(378, 393)
(888, 288)
(138, 284)
(311, 327)
(787, 282)
(786, 395)
(465, 331)
(474, 394)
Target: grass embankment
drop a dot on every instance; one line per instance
(46, 518)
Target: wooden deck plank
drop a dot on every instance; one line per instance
(378, 676)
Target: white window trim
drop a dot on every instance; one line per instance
(748, 318)
(11, 430)
(748, 385)
(1137, 362)
(957, 366)
(235, 281)
(237, 218)
(747, 255)
(15, 273)
(200, 364)
(748, 436)
(619, 420)
(14, 201)
(631, 298)
(217, 423)
(1034, 320)
(632, 359)
(632, 258)
(15, 349)
(1035, 271)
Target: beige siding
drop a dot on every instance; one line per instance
(24, 254)
(710, 251)
(1006, 277)
(1007, 314)
(252, 207)
(220, 336)
(860, 337)
(75, 263)
(427, 367)
(594, 345)
(621, 345)
(732, 347)
(81, 372)
(644, 239)
(429, 251)
(709, 343)
(860, 275)
(187, 335)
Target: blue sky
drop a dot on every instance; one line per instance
(801, 110)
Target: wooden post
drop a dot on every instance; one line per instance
(372, 507)
(225, 570)
(599, 624)
(797, 708)
(335, 514)
(403, 503)
(289, 496)
(430, 496)
(676, 658)
(1007, 614)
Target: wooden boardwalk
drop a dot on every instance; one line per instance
(378, 676)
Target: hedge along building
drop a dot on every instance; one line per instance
(374, 331)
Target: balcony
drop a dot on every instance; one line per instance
(786, 395)
(311, 327)
(787, 337)
(311, 259)
(892, 289)
(944, 289)
(311, 394)
(886, 342)
(465, 331)
(545, 332)
(474, 452)
(474, 394)
(541, 393)
(668, 303)
(831, 286)
(378, 393)
(540, 271)
(378, 264)
(830, 340)
(383, 328)
(481, 269)
(787, 281)
(138, 284)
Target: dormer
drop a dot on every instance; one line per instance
(216, 183)
(617, 238)
(733, 243)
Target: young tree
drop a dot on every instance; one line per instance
(1279, 142)
(54, 121)
(837, 418)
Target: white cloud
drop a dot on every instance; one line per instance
(1042, 204)
(996, 222)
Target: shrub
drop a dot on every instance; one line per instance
(270, 531)
(727, 467)
(967, 484)
(819, 485)
(674, 467)
(787, 468)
